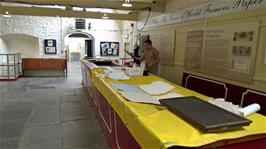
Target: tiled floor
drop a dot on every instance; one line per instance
(48, 113)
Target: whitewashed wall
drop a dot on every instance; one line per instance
(3, 48)
(27, 45)
(106, 30)
(58, 28)
(39, 27)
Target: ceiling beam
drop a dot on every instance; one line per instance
(155, 5)
(34, 11)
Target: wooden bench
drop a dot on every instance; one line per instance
(44, 64)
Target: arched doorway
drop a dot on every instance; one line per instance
(79, 45)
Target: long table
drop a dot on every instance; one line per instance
(136, 125)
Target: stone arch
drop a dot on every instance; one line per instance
(27, 45)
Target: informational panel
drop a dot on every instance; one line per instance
(50, 46)
(227, 50)
(109, 48)
(164, 42)
(216, 50)
(194, 49)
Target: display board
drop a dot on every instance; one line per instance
(50, 46)
(194, 49)
(227, 50)
(164, 42)
(109, 48)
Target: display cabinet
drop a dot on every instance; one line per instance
(10, 66)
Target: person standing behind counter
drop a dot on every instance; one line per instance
(136, 54)
(151, 57)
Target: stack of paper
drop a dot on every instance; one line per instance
(116, 74)
(133, 93)
(157, 87)
(135, 71)
(146, 98)
(139, 97)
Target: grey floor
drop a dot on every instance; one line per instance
(48, 113)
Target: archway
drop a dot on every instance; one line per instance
(78, 45)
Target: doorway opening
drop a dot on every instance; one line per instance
(89, 48)
(79, 45)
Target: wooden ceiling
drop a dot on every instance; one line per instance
(35, 8)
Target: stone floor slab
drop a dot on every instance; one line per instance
(11, 129)
(9, 144)
(51, 102)
(41, 138)
(82, 139)
(17, 105)
(78, 113)
(45, 115)
(10, 114)
(88, 125)
(75, 103)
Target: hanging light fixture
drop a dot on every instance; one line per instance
(127, 3)
(7, 15)
(105, 16)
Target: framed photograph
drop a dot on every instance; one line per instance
(243, 36)
(109, 48)
(50, 46)
(241, 51)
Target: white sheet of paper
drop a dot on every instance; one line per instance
(118, 76)
(157, 87)
(139, 97)
(127, 87)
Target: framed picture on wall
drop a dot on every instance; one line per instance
(50, 46)
(109, 48)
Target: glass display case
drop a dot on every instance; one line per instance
(10, 66)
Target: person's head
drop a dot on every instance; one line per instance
(147, 44)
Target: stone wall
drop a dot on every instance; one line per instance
(39, 27)
(58, 28)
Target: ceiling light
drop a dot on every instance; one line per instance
(105, 16)
(127, 3)
(7, 15)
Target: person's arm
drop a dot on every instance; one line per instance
(141, 58)
(129, 53)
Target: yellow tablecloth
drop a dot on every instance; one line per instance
(153, 126)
